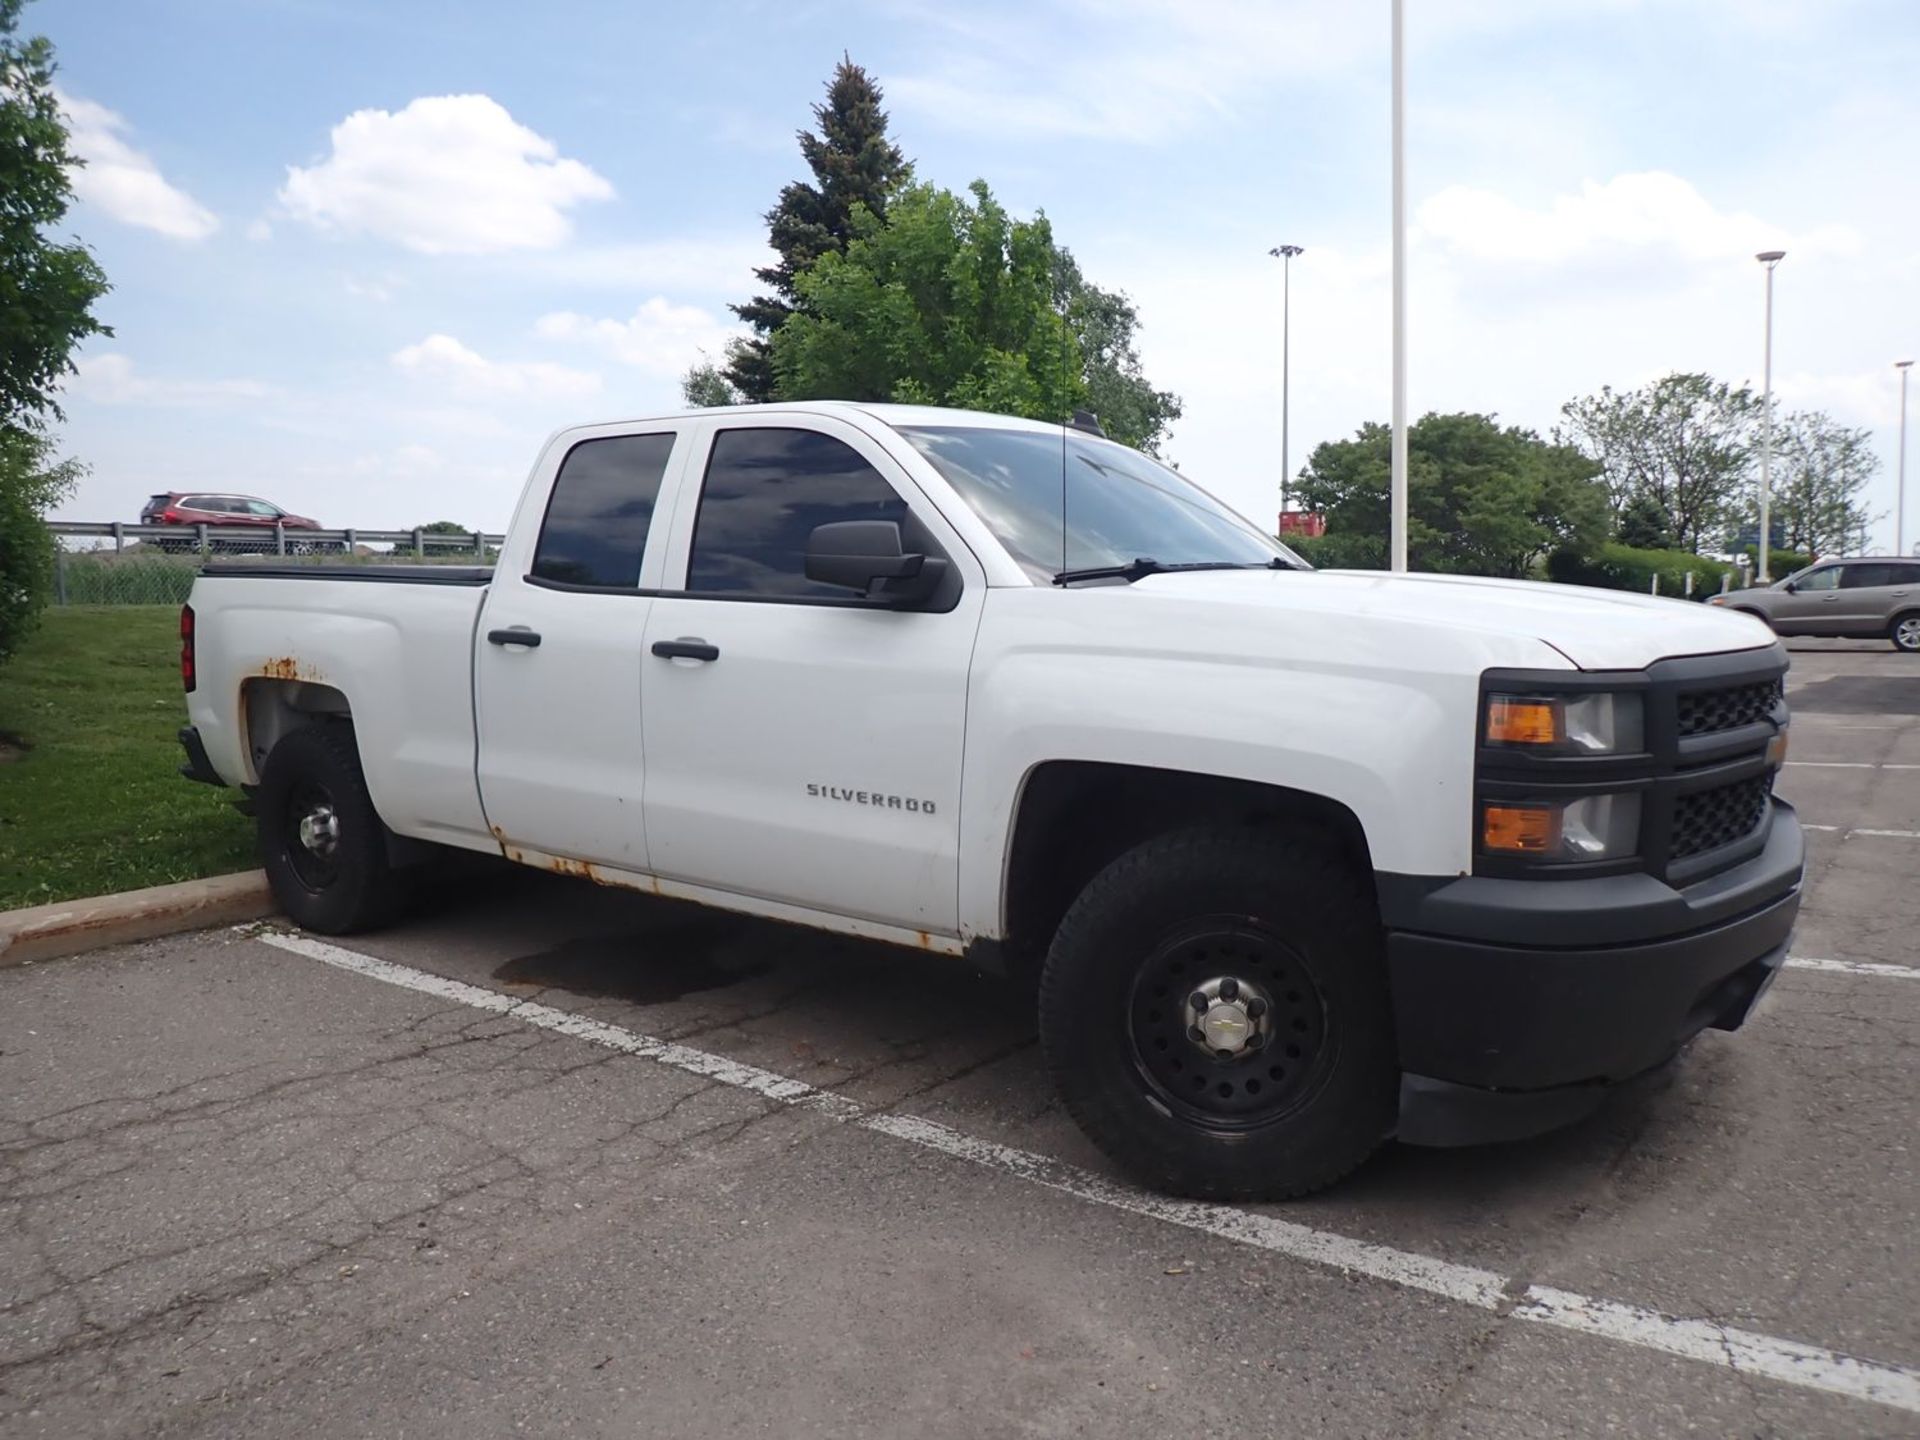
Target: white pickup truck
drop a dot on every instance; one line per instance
(1302, 860)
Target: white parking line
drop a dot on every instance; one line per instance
(1855, 967)
(1790, 1362)
(1884, 834)
(1851, 764)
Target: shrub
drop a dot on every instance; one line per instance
(1339, 552)
(28, 488)
(1622, 567)
(1780, 562)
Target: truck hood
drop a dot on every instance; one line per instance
(1595, 629)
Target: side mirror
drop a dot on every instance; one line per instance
(867, 556)
(1788, 586)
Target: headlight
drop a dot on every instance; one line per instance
(1604, 723)
(1594, 827)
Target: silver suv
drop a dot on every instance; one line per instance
(1865, 596)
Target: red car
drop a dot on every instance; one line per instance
(224, 515)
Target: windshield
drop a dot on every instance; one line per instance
(1120, 506)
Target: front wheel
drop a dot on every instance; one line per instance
(1905, 632)
(1214, 1013)
(322, 843)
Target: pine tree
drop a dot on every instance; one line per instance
(853, 163)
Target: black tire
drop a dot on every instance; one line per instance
(1296, 927)
(1904, 631)
(352, 886)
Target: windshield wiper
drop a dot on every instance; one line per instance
(1146, 565)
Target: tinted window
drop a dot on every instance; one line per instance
(1863, 576)
(1120, 505)
(765, 492)
(598, 514)
(1904, 574)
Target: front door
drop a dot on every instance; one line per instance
(1812, 607)
(803, 745)
(558, 668)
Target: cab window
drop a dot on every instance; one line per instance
(765, 491)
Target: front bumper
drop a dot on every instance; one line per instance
(1518, 1003)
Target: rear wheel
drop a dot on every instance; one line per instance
(1214, 1013)
(322, 843)
(1905, 632)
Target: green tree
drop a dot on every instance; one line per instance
(854, 166)
(1820, 470)
(705, 385)
(1685, 443)
(47, 292)
(945, 303)
(1643, 524)
(1104, 324)
(1482, 499)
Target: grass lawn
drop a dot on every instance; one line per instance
(95, 802)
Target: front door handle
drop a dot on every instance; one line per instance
(528, 638)
(687, 649)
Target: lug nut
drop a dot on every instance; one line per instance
(1223, 1054)
(1256, 1040)
(1196, 1034)
(1198, 1002)
(1256, 1007)
(1229, 989)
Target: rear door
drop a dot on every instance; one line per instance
(558, 668)
(1865, 591)
(803, 744)
(1812, 607)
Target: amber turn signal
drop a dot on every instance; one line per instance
(1524, 722)
(1520, 829)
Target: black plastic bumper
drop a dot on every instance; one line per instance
(1521, 1016)
(198, 766)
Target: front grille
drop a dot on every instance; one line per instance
(1707, 712)
(1707, 819)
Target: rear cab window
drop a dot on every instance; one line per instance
(600, 512)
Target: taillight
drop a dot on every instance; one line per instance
(171, 516)
(186, 647)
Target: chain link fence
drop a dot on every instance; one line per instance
(149, 565)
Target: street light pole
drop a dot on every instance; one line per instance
(1399, 503)
(1285, 254)
(1768, 258)
(1900, 502)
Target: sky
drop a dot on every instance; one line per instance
(367, 255)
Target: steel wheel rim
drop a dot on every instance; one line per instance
(313, 835)
(1282, 1054)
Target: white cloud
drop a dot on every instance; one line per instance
(661, 339)
(112, 379)
(1628, 219)
(443, 361)
(124, 182)
(448, 175)
(716, 265)
(378, 288)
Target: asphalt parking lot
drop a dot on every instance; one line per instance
(553, 1159)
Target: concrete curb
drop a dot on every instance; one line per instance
(72, 927)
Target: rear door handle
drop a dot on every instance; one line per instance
(688, 649)
(528, 638)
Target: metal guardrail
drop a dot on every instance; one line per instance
(259, 540)
(160, 568)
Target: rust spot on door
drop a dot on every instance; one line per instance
(285, 667)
